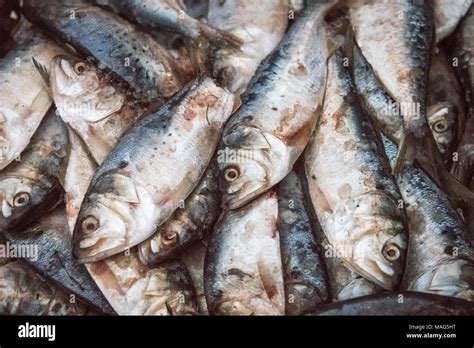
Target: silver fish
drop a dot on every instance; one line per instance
(265, 137)
(194, 261)
(259, 24)
(243, 273)
(440, 259)
(152, 169)
(447, 15)
(303, 268)
(355, 197)
(24, 96)
(31, 186)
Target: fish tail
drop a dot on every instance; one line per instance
(220, 37)
(425, 154)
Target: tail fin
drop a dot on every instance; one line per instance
(425, 154)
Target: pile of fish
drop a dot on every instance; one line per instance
(236, 157)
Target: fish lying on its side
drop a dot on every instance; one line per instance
(390, 32)
(406, 303)
(243, 272)
(24, 97)
(188, 225)
(265, 137)
(447, 15)
(23, 292)
(132, 56)
(154, 166)
(303, 270)
(170, 15)
(446, 105)
(131, 287)
(53, 257)
(440, 259)
(260, 25)
(31, 186)
(88, 102)
(355, 197)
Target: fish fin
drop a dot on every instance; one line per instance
(219, 37)
(118, 186)
(169, 309)
(197, 49)
(268, 280)
(42, 71)
(348, 48)
(425, 154)
(237, 104)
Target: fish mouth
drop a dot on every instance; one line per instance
(91, 254)
(235, 201)
(60, 64)
(376, 270)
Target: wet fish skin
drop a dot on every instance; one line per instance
(30, 187)
(440, 258)
(260, 25)
(274, 124)
(355, 198)
(446, 109)
(154, 166)
(88, 102)
(243, 270)
(447, 15)
(24, 98)
(50, 235)
(303, 268)
(131, 287)
(414, 303)
(23, 292)
(188, 225)
(132, 56)
(170, 15)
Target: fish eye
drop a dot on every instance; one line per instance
(169, 238)
(440, 126)
(21, 199)
(79, 68)
(231, 174)
(391, 252)
(90, 224)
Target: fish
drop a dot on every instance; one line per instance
(136, 60)
(243, 272)
(151, 170)
(391, 32)
(267, 134)
(170, 15)
(31, 186)
(194, 262)
(405, 303)
(188, 225)
(88, 102)
(447, 15)
(259, 25)
(440, 258)
(24, 292)
(24, 97)
(131, 287)
(445, 106)
(463, 55)
(304, 271)
(51, 239)
(355, 198)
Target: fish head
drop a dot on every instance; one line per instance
(163, 245)
(244, 165)
(442, 119)
(378, 240)
(100, 229)
(18, 195)
(80, 90)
